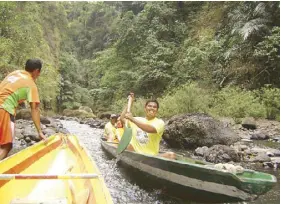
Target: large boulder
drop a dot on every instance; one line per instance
(86, 108)
(190, 131)
(104, 115)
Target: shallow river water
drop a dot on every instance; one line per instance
(127, 186)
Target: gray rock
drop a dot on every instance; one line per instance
(249, 123)
(22, 142)
(201, 151)
(221, 154)
(27, 139)
(268, 164)
(190, 131)
(31, 133)
(259, 136)
(273, 153)
(49, 131)
(45, 120)
(261, 157)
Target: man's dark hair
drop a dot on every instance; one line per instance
(152, 100)
(33, 64)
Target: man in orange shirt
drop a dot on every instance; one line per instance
(17, 87)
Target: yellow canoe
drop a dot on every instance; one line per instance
(60, 171)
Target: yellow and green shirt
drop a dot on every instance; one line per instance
(17, 87)
(147, 143)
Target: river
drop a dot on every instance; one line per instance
(125, 184)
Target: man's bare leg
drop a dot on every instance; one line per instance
(168, 155)
(4, 150)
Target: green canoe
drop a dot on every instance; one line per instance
(197, 181)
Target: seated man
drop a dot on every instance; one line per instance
(119, 129)
(109, 128)
(148, 131)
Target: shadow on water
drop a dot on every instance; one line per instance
(129, 185)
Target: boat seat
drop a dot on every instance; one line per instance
(45, 201)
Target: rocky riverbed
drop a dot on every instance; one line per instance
(26, 136)
(259, 146)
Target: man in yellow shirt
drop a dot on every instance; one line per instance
(110, 129)
(148, 131)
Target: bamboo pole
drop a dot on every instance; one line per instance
(47, 176)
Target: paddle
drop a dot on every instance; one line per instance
(127, 135)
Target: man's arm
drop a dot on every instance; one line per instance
(35, 113)
(145, 127)
(122, 116)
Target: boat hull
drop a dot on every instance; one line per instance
(188, 181)
(62, 155)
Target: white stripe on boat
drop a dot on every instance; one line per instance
(53, 188)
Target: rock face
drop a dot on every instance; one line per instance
(190, 131)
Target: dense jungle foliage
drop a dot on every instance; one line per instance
(222, 58)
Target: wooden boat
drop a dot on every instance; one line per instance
(59, 171)
(196, 180)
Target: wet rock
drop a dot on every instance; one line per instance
(49, 131)
(240, 147)
(273, 153)
(105, 115)
(98, 124)
(201, 151)
(22, 142)
(268, 164)
(276, 139)
(259, 136)
(221, 154)
(257, 150)
(261, 157)
(87, 121)
(63, 130)
(249, 123)
(31, 133)
(45, 120)
(27, 139)
(18, 133)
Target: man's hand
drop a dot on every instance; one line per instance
(43, 137)
(132, 96)
(129, 116)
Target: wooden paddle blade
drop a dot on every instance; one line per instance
(125, 140)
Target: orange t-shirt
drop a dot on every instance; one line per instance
(17, 87)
